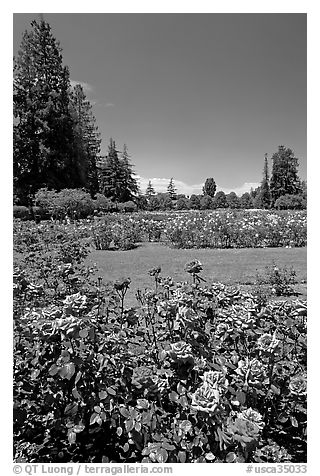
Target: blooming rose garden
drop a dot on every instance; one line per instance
(193, 372)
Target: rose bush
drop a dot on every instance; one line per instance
(194, 373)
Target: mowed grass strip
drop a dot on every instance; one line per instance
(228, 266)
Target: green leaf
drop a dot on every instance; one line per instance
(181, 389)
(294, 421)
(167, 446)
(67, 371)
(119, 431)
(75, 393)
(94, 418)
(275, 389)
(182, 456)
(72, 437)
(137, 426)
(35, 374)
(103, 416)
(78, 428)
(174, 397)
(78, 376)
(103, 395)
(124, 412)
(184, 401)
(129, 424)
(126, 447)
(54, 369)
(162, 355)
(71, 409)
(241, 397)
(216, 367)
(112, 391)
(97, 409)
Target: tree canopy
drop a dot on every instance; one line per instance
(209, 187)
(284, 179)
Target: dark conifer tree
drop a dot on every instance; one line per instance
(263, 198)
(43, 141)
(150, 190)
(130, 188)
(116, 179)
(171, 189)
(87, 139)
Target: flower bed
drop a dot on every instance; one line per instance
(230, 229)
(194, 373)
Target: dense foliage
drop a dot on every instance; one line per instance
(116, 180)
(56, 141)
(263, 199)
(43, 140)
(218, 229)
(284, 178)
(197, 372)
(209, 187)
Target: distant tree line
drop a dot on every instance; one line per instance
(284, 190)
(56, 147)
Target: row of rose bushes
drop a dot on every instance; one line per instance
(193, 373)
(223, 229)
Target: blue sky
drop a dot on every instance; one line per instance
(192, 95)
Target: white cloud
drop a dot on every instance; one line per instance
(246, 187)
(160, 185)
(109, 104)
(86, 86)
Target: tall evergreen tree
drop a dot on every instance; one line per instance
(116, 179)
(110, 173)
(209, 187)
(150, 190)
(43, 154)
(130, 187)
(284, 179)
(171, 189)
(87, 138)
(263, 198)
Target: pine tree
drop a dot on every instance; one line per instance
(116, 179)
(43, 154)
(263, 198)
(149, 190)
(209, 187)
(171, 190)
(130, 187)
(87, 138)
(284, 178)
(110, 173)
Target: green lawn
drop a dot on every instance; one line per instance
(229, 266)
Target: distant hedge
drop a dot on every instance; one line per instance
(21, 212)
